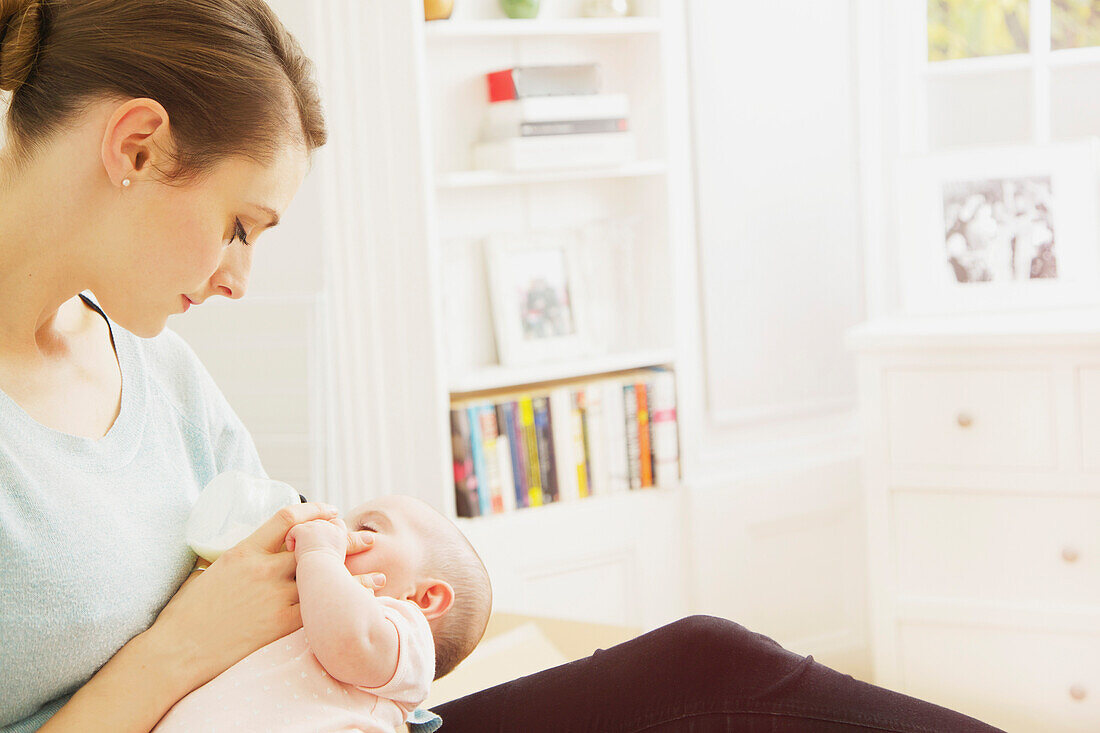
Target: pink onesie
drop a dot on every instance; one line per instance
(283, 687)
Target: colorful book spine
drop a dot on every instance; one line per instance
(548, 474)
(477, 450)
(489, 435)
(645, 458)
(633, 446)
(508, 417)
(580, 441)
(662, 418)
(530, 442)
(504, 461)
(466, 503)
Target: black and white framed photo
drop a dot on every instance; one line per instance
(536, 296)
(999, 228)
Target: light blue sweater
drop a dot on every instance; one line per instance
(92, 531)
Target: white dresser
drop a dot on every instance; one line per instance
(982, 473)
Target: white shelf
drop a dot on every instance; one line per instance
(499, 377)
(513, 28)
(477, 179)
(611, 502)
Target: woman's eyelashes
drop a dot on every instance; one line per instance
(238, 233)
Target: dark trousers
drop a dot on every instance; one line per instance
(703, 675)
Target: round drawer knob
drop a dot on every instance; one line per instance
(1077, 692)
(964, 420)
(1070, 554)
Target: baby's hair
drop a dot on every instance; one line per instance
(233, 80)
(451, 557)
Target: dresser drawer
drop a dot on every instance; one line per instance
(1022, 681)
(980, 418)
(997, 548)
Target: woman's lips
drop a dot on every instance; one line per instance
(187, 303)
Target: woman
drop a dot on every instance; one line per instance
(148, 145)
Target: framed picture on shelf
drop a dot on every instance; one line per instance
(535, 293)
(999, 228)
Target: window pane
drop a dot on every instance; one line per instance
(979, 109)
(1074, 23)
(959, 29)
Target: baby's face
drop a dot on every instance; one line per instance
(398, 525)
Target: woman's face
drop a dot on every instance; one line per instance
(187, 243)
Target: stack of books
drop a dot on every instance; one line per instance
(568, 442)
(543, 117)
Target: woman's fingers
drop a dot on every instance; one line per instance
(272, 533)
(359, 541)
(374, 581)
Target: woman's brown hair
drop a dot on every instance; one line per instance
(233, 80)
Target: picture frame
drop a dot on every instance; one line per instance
(536, 294)
(1000, 228)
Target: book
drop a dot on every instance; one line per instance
(489, 435)
(477, 450)
(548, 474)
(543, 81)
(512, 113)
(662, 419)
(530, 443)
(548, 152)
(595, 440)
(557, 127)
(504, 463)
(466, 503)
(633, 449)
(508, 415)
(645, 459)
(615, 436)
(580, 440)
(565, 466)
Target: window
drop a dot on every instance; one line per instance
(1007, 71)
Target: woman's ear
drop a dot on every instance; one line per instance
(434, 598)
(135, 135)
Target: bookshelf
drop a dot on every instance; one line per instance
(423, 286)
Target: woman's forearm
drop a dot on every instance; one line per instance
(131, 692)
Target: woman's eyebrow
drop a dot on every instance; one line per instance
(271, 212)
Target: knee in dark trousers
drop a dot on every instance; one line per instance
(710, 652)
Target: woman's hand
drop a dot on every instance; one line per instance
(243, 601)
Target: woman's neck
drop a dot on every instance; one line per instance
(40, 258)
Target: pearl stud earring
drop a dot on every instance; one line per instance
(125, 182)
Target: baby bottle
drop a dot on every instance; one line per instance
(232, 506)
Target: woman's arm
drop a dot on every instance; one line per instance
(132, 691)
(244, 601)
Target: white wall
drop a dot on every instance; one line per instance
(776, 515)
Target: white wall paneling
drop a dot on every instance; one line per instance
(777, 206)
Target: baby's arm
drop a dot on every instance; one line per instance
(343, 620)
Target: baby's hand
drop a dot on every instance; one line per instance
(318, 534)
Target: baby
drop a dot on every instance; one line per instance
(363, 659)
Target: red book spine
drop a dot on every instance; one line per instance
(502, 86)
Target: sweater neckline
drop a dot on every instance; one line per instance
(119, 446)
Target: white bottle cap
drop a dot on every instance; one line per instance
(232, 506)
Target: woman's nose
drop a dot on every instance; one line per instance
(231, 278)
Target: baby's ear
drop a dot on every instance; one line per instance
(434, 597)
